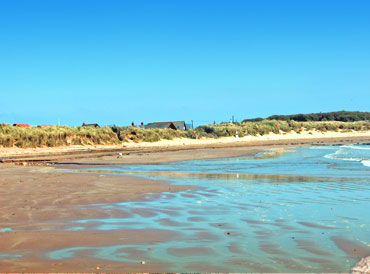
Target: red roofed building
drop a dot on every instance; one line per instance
(21, 125)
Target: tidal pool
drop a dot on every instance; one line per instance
(306, 210)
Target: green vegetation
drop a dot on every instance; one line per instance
(12, 136)
(267, 126)
(154, 134)
(343, 116)
(148, 135)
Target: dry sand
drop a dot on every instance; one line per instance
(304, 135)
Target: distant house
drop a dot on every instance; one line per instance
(21, 125)
(176, 125)
(90, 125)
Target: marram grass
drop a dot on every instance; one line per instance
(11, 136)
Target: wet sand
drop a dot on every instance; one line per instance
(34, 245)
(31, 194)
(35, 201)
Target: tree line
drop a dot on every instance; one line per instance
(342, 116)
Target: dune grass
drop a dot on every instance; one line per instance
(267, 126)
(153, 134)
(11, 136)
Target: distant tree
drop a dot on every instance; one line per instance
(345, 116)
(253, 120)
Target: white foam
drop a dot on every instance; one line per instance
(332, 156)
(324, 147)
(366, 162)
(335, 154)
(356, 147)
(347, 153)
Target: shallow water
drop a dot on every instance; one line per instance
(301, 211)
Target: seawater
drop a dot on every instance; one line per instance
(304, 210)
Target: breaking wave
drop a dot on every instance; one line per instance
(354, 153)
(366, 162)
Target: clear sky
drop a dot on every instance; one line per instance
(113, 62)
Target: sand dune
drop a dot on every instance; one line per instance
(204, 142)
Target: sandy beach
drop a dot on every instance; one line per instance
(132, 151)
(42, 198)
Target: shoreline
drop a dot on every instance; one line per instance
(102, 152)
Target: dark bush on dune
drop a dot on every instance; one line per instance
(342, 116)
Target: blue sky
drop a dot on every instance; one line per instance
(114, 62)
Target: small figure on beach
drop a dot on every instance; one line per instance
(237, 135)
(120, 155)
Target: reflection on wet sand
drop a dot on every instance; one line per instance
(193, 251)
(273, 178)
(144, 212)
(235, 247)
(351, 248)
(253, 266)
(271, 248)
(196, 219)
(292, 264)
(327, 264)
(204, 237)
(269, 154)
(169, 222)
(256, 222)
(312, 247)
(313, 225)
